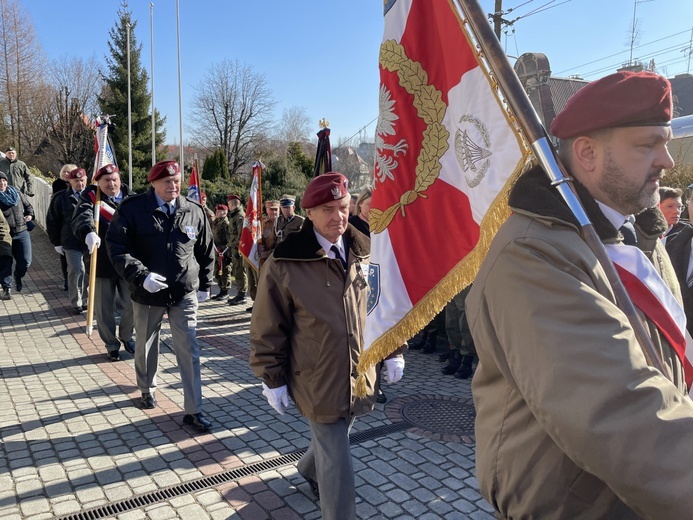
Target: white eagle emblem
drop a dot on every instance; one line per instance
(386, 164)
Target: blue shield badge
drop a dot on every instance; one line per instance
(191, 232)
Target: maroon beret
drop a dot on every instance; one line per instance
(620, 99)
(325, 188)
(77, 173)
(163, 169)
(203, 195)
(233, 196)
(221, 206)
(106, 170)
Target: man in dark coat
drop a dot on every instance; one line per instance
(161, 243)
(59, 228)
(108, 286)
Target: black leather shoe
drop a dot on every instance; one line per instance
(65, 285)
(85, 306)
(129, 346)
(382, 398)
(147, 402)
(249, 309)
(313, 486)
(77, 310)
(18, 283)
(221, 295)
(197, 422)
(114, 355)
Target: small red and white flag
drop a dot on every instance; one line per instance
(251, 223)
(447, 153)
(194, 186)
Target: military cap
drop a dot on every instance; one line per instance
(10, 149)
(163, 169)
(325, 188)
(77, 173)
(272, 203)
(222, 207)
(106, 170)
(621, 99)
(3, 175)
(287, 200)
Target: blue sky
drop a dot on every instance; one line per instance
(323, 54)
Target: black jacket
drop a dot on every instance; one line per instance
(83, 224)
(15, 214)
(59, 221)
(143, 239)
(678, 246)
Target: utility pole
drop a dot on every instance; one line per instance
(497, 18)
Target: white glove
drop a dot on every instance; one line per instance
(202, 296)
(93, 241)
(278, 398)
(154, 283)
(59, 250)
(395, 369)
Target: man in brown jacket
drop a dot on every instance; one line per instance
(572, 422)
(306, 336)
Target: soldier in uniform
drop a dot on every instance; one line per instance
(236, 216)
(268, 241)
(288, 222)
(210, 214)
(222, 266)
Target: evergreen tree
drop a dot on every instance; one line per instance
(215, 166)
(114, 99)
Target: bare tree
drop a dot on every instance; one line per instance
(294, 126)
(21, 67)
(232, 110)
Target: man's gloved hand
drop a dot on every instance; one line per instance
(395, 369)
(154, 283)
(93, 241)
(278, 398)
(202, 296)
(59, 250)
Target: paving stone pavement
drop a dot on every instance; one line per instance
(74, 439)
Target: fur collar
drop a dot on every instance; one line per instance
(534, 194)
(303, 245)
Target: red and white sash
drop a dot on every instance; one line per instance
(106, 212)
(652, 296)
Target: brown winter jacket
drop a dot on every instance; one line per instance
(571, 421)
(307, 326)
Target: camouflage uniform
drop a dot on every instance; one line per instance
(221, 230)
(236, 217)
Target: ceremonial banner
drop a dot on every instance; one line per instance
(103, 145)
(447, 153)
(251, 223)
(194, 186)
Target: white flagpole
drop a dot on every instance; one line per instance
(129, 118)
(151, 44)
(180, 94)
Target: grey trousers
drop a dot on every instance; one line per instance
(183, 320)
(107, 290)
(328, 462)
(75, 277)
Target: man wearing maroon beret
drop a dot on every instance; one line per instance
(161, 243)
(233, 255)
(306, 336)
(572, 420)
(109, 285)
(59, 229)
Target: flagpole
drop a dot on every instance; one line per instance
(180, 90)
(151, 45)
(92, 266)
(536, 134)
(129, 117)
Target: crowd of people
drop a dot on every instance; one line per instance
(571, 414)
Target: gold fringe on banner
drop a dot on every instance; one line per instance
(449, 286)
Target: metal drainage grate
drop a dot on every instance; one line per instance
(212, 481)
(440, 416)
